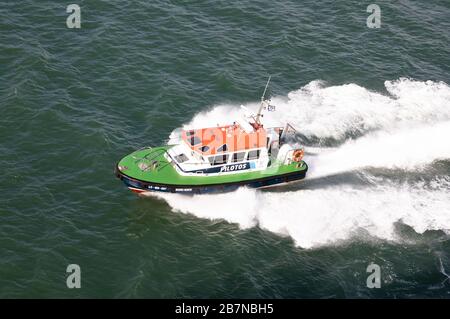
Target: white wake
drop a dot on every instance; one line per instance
(406, 129)
(410, 148)
(325, 216)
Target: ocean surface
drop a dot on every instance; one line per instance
(372, 105)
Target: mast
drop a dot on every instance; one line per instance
(261, 107)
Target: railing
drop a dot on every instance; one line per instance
(152, 162)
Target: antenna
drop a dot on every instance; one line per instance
(265, 89)
(261, 107)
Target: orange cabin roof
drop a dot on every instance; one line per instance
(210, 141)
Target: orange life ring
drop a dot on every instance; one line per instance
(298, 155)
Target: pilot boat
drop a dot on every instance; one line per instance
(218, 159)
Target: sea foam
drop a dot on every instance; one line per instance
(407, 129)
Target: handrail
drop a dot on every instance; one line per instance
(151, 160)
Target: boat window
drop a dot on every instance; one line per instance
(223, 148)
(252, 155)
(189, 133)
(181, 158)
(238, 157)
(218, 160)
(194, 140)
(204, 148)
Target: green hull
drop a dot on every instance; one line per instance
(148, 170)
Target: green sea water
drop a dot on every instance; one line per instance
(372, 105)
